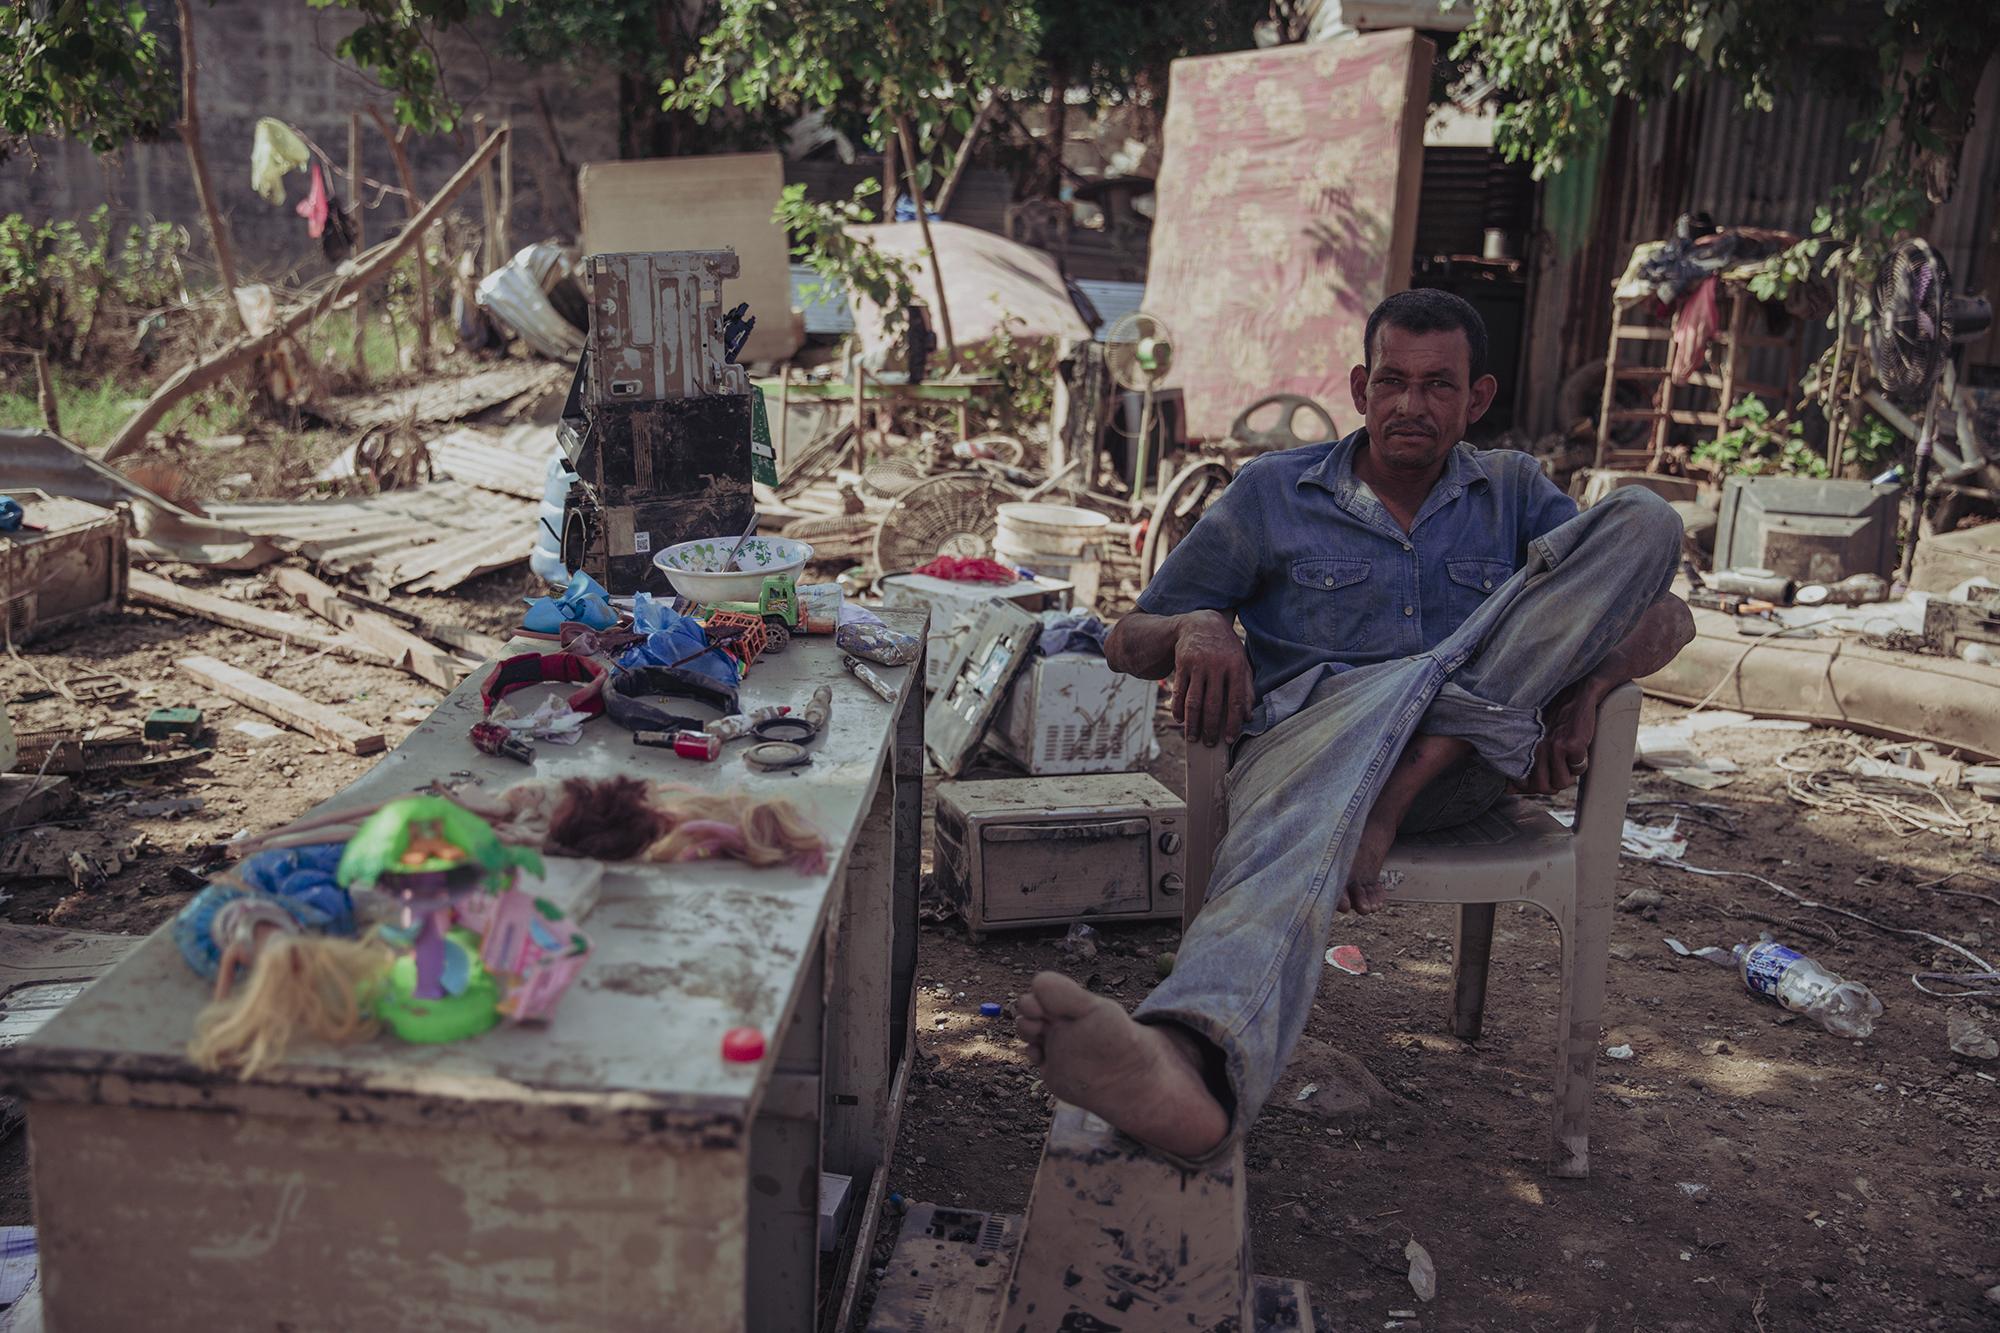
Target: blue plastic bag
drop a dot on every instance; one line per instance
(671, 637)
(584, 600)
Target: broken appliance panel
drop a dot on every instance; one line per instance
(657, 425)
(1046, 851)
(1806, 530)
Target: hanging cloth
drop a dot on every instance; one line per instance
(315, 206)
(275, 149)
(1695, 322)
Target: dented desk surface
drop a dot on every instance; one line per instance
(606, 1159)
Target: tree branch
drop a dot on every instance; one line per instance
(965, 147)
(366, 268)
(930, 250)
(403, 174)
(211, 216)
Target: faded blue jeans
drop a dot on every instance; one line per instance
(1299, 793)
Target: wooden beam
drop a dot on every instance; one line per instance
(286, 706)
(404, 650)
(198, 375)
(152, 590)
(965, 148)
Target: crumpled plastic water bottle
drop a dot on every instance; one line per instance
(1844, 1008)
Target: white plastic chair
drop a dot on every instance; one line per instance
(1516, 852)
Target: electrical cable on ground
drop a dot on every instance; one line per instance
(1986, 975)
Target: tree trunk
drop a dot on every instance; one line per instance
(409, 181)
(45, 393)
(930, 250)
(198, 375)
(211, 216)
(1058, 132)
(891, 182)
(360, 243)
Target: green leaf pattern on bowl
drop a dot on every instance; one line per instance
(707, 557)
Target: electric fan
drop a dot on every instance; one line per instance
(1917, 319)
(1139, 351)
(948, 515)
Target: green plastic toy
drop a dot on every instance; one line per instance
(777, 605)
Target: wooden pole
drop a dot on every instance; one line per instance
(930, 249)
(360, 243)
(506, 192)
(860, 414)
(489, 243)
(986, 110)
(198, 375)
(211, 215)
(45, 393)
(396, 138)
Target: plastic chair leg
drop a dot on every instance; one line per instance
(1469, 959)
(1586, 936)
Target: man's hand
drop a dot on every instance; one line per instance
(1212, 682)
(1569, 723)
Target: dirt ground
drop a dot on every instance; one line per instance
(1751, 1171)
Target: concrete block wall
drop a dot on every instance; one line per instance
(275, 58)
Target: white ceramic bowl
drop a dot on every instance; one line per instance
(692, 566)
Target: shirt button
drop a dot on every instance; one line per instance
(1409, 610)
(1487, 584)
(1329, 580)
(1408, 547)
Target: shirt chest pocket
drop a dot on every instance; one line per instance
(1471, 582)
(1334, 603)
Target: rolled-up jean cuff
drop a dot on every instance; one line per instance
(1216, 1035)
(1503, 736)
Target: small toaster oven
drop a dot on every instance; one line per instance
(1048, 851)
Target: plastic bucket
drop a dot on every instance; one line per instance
(1055, 541)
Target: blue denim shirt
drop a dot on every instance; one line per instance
(1322, 579)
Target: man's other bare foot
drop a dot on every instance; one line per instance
(1423, 759)
(1145, 1079)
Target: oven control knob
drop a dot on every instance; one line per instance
(1171, 884)
(1170, 843)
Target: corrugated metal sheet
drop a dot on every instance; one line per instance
(1701, 151)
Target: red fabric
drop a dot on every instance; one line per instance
(969, 569)
(1695, 322)
(314, 207)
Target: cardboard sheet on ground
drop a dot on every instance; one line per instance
(1287, 207)
(714, 202)
(989, 280)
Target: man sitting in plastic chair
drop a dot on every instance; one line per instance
(1428, 627)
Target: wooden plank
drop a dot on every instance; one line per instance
(286, 706)
(404, 650)
(152, 590)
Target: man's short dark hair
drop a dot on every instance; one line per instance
(1428, 310)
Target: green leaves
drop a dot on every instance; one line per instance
(1558, 68)
(94, 72)
(841, 263)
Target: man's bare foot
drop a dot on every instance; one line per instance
(1144, 1078)
(1422, 760)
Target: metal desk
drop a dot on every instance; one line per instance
(607, 1172)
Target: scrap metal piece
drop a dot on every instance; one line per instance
(998, 643)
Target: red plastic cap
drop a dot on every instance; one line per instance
(743, 1045)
